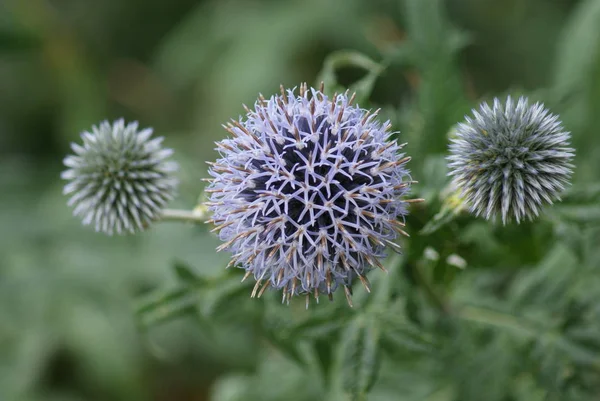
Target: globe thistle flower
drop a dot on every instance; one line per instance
(510, 160)
(307, 193)
(120, 179)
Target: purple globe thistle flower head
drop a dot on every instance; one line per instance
(308, 192)
(510, 159)
(120, 179)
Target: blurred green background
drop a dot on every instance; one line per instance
(67, 295)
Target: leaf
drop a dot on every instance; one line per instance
(323, 321)
(434, 177)
(402, 338)
(534, 287)
(360, 356)
(275, 328)
(547, 340)
(172, 304)
(580, 205)
(187, 275)
(438, 86)
(12, 40)
(348, 58)
(446, 215)
(578, 50)
(227, 296)
(158, 300)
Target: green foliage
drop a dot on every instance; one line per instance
(471, 311)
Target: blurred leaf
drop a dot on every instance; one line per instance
(438, 83)
(534, 286)
(276, 329)
(187, 275)
(444, 216)
(580, 205)
(434, 177)
(166, 306)
(183, 300)
(347, 58)
(231, 294)
(401, 339)
(16, 41)
(579, 49)
(360, 356)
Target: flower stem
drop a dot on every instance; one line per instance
(191, 216)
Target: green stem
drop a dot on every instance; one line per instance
(191, 216)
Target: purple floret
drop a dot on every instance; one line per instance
(308, 192)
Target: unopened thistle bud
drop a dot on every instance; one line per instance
(308, 192)
(510, 160)
(119, 178)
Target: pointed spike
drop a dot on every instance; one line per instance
(364, 120)
(394, 246)
(248, 273)
(218, 228)
(403, 160)
(333, 102)
(348, 293)
(352, 99)
(252, 257)
(365, 282)
(293, 286)
(264, 287)
(284, 294)
(255, 289)
(340, 114)
(231, 263)
(379, 265)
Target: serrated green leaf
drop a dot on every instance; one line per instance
(156, 300)
(360, 356)
(402, 337)
(323, 321)
(534, 287)
(186, 275)
(226, 296)
(279, 338)
(170, 305)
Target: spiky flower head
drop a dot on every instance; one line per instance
(307, 192)
(120, 179)
(510, 159)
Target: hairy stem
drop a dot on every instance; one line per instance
(190, 216)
